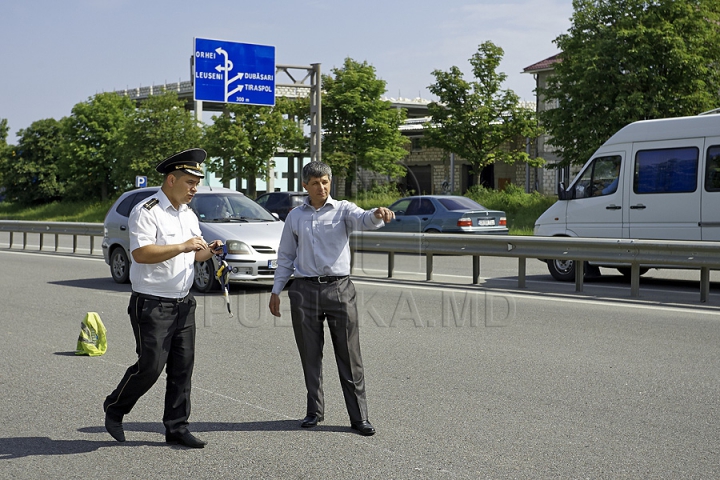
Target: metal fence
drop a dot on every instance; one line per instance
(704, 256)
(75, 229)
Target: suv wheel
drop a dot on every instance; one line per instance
(204, 280)
(119, 265)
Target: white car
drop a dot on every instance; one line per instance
(250, 232)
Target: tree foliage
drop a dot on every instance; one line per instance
(4, 131)
(243, 140)
(160, 127)
(629, 60)
(359, 129)
(95, 136)
(30, 169)
(477, 120)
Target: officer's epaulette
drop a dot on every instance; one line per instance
(151, 203)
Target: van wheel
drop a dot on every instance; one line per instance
(626, 271)
(119, 265)
(204, 279)
(562, 270)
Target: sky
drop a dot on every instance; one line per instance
(57, 53)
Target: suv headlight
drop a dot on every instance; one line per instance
(237, 247)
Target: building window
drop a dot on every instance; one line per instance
(415, 144)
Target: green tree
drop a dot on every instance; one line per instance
(94, 138)
(243, 140)
(31, 169)
(359, 129)
(4, 131)
(160, 127)
(4, 150)
(477, 120)
(629, 60)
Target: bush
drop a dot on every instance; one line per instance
(377, 196)
(522, 208)
(61, 211)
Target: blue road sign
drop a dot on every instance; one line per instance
(229, 72)
(140, 181)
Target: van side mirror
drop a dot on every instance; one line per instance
(562, 193)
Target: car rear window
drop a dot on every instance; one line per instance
(127, 205)
(460, 203)
(297, 200)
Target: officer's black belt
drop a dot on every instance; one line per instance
(160, 299)
(325, 278)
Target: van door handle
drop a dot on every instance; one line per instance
(638, 207)
(123, 227)
(613, 207)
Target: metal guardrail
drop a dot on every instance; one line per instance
(52, 228)
(704, 256)
(684, 254)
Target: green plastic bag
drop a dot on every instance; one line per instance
(92, 340)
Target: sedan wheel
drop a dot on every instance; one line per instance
(204, 279)
(119, 265)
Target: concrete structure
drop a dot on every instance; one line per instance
(429, 170)
(547, 177)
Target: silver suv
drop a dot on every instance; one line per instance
(251, 233)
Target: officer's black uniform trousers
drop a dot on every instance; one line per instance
(164, 335)
(311, 303)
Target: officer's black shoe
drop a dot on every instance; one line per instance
(113, 425)
(187, 439)
(311, 421)
(364, 428)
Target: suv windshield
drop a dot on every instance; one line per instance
(222, 207)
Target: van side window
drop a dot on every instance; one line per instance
(600, 178)
(712, 169)
(666, 170)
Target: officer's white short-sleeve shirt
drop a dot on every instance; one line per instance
(157, 222)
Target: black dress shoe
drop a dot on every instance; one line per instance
(363, 428)
(114, 427)
(187, 439)
(311, 421)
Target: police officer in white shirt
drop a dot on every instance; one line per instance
(165, 241)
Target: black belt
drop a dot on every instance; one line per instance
(325, 278)
(160, 299)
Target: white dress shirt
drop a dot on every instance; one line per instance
(162, 224)
(315, 242)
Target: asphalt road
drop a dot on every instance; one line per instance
(486, 381)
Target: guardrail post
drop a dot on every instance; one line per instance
(704, 284)
(522, 269)
(579, 275)
(12, 236)
(391, 264)
(57, 241)
(42, 239)
(635, 280)
(428, 266)
(74, 243)
(92, 244)
(476, 269)
(24, 240)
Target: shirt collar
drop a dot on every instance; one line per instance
(165, 202)
(330, 201)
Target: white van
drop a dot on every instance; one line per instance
(653, 179)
